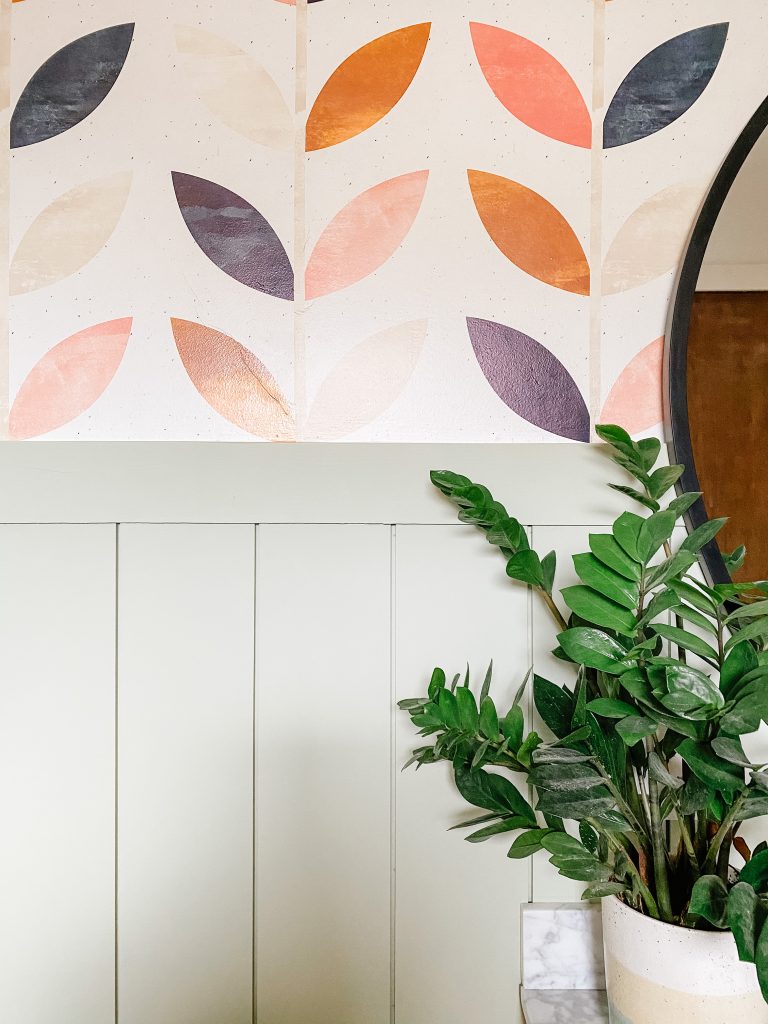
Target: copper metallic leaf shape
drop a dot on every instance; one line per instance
(234, 235)
(70, 85)
(529, 379)
(236, 88)
(532, 85)
(69, 233)
(233, 381)
(364, 234)
(651, 241)
(366, 381)
(530, 231)
(69, 379)
(635, 400)
(366, 86)
(663, 85)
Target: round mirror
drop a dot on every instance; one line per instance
(717, 359)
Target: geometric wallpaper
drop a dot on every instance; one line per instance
(398, 220)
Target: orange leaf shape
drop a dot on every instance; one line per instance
(530, 232)
(635, 400)
(366, 381)
(69, 379)
(233, 381)
(364, 235)
(532, 85)
(366, 86)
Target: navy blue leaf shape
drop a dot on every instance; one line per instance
(234, 235)
(663, 85)
(70, 85)
(529, 379)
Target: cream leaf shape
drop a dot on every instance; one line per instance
(68, 379)
(236, 88)
(69, 233)
(233, 381)
(366, 381)
(651, 241)
(364, 234)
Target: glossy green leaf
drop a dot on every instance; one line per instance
(564, 778)
(593, 648)
(663, 479)
(632, 492)
(513, 725)
(703, 535)
(755, 872)
(683, 502)
(635, 728)
(548, 569)
(659, 771)
(507, 825)
(741, 659)
(554, 704)
(709, 900)
(601, 889)
(591, 606)
(607, 707)
(746, 917)
(489, 719)
(468, 716)
(730, 749)
(749, 611)
(752, 631)
(526, 567)
(606, 581)
(528, 843)
(655, 531)
(575, 805)
(626, 530)
(436, 683)
(712, 770)
(492, 792)
(607, 549)
(690, 680)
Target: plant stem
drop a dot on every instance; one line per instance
(687, 841)
(710, 863)
(623, 806)
(642, 888)
(660, 875)
(549, 602)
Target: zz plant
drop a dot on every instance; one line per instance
(647, 759)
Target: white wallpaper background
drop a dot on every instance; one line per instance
(132, 318)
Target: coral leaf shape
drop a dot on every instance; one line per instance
(366, 86)
(236, 88)
(364, 234)
(233, 381)
(69, 379)
(635, 400)
(530, 231)
(69, 233)
(651, 241)
(532, 85)
(234, 235)
(529, 379)
(366, 381)
(663, 85)
(70, 85)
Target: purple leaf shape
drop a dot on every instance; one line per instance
(529, 379)
(234, 235)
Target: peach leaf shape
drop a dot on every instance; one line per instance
(530, 231)
(233, 381)
(532, 85)
(236, 88)
(651, 241)
(635, 400)
(366, 381)
(69, 379)
(366, 86)
(69, 233)
(365, 234)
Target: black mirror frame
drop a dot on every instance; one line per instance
(676, 354)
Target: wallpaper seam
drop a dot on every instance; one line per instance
(596, 229)
(300, 217)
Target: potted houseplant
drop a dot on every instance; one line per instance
(642, 789)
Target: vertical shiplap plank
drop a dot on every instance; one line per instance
(323, 775)
(548, 885)
(457, 904)
(57, 664)
(185, 774)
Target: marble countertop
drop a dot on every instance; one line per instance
(564, 1006)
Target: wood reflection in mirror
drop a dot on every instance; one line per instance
(728, 417)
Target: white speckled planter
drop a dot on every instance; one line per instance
(661, 974)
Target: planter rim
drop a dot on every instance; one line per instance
(716, 934)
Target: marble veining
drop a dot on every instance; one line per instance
(565, 1007)
(562, 946)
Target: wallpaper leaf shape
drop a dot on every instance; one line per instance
(532, 85)
(366, 86)
(69, 233)
(635, 400)
(529, 379)
(236, 88)
(70, 85)
(366, 381)
(651, 241)
(364, 234)
(69, 379)
(234, 235)
(664, 85)
(233, 381)
(530, 231)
